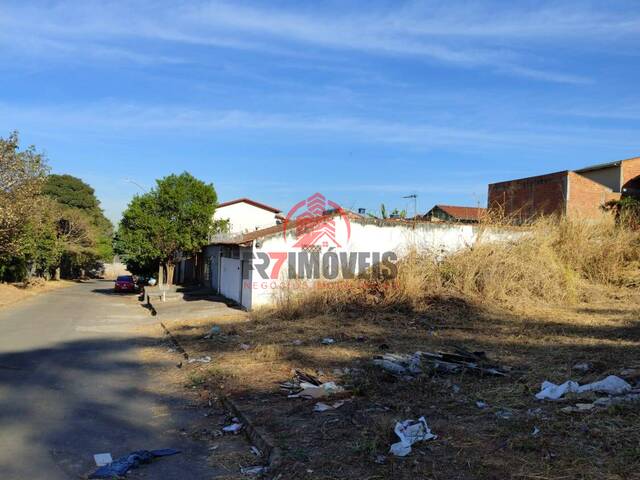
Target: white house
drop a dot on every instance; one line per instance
(246, 215)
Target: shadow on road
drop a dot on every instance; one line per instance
(67, 402)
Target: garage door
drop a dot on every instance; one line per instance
(231, 278)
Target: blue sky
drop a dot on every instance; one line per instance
(363, 101)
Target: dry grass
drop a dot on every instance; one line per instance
(555, 261)
(11, 293)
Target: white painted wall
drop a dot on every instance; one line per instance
(244, 217)
(438, 239)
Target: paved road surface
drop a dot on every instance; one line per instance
(71, 385)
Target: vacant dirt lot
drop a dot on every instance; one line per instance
(11, 293)
(510, 435)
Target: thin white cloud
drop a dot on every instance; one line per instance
(497, 36)
(109, 119)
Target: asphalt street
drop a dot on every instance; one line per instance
(72, 384)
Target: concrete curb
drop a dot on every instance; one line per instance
(175, 341)
(256, 435)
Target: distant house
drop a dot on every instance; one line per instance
(246, 215)
(574, 193)
(452, 213)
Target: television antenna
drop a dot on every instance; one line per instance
(415, 204)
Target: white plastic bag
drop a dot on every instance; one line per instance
(410, 432)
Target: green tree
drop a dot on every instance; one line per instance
(72, 192)
(175, 218)
(21, 177)
(84, 231)
(22, 174)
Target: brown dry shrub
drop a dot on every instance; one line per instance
(553, 261)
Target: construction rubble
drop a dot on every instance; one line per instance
(440, 362)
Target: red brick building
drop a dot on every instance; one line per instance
(571, 192)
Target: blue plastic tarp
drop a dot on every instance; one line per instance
(122, 465)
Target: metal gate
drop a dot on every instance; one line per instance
(231, 278)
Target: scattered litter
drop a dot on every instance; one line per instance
(607, 401)
(205, 359)
(535, 432)
(633, 396)
(455, 388)
(551, 391)
(381, 459)
(410, 432)
(504, 414)
(582, 367)
(299, 377)
(458, 361)
(482, 405)
(214, 447)
(256, 470)
(102, 459)
(534, 412)
(297, 342)
(309, 386)
(244, 346)
(328, 341)
(122, 465)
(400, 364)
(612, 385)
(171, 350)
(579, 407)
(256, 451)
(215, 330)
(323, 407)
(317, 391)
(235, 427)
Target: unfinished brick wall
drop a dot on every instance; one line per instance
(631, 176)
(530, 197)
(586, 197)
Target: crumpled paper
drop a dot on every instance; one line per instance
(410, 432)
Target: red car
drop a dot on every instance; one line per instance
(125, 283)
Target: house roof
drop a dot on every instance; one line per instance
(244, 238)
(600, 166)
(462, 213)
(250, 202)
